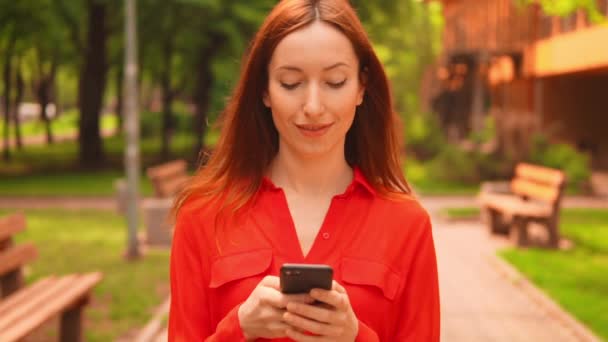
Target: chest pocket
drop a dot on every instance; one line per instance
(243, 265)
(371, 274)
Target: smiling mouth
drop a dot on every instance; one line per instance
(313, 128)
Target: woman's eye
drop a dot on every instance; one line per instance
(290, 86)
(336, 85)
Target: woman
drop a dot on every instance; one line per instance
(306, 171)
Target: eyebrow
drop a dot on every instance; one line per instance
(294, 68)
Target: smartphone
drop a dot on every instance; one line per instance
(301, 278)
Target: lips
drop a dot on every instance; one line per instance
(314, 130)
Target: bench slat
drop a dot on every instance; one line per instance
(63, 294)
(23, 295)
(172, 186)
(16, 257)
(540, 174)
(169, 169)
(535, 190)
(11, 225)
(36, 301)
(513, 205)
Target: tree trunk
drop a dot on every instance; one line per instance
(202, 93)
(44, 93)
(92, 85)
(167, 99)
(168, 120)
(19, 85)
(6, 153)
(119, 99)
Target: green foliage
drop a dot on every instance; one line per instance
(566, 7)
(576, 278)
(454, 165)
(564, 157)
(65, 124)
(407, 38)
(423, 136)
(85, 241)
(151, 123)
(419, 176)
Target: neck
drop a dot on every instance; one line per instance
(313, 176)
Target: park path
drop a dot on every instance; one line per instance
(481, 301)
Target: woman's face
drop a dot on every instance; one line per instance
(313, 90)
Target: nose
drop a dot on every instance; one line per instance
(313, 104)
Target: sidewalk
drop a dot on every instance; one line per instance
(481, 303)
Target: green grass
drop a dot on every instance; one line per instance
(83, 241)
(460, 213)
(67, 184)
(577, 279)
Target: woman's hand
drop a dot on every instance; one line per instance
(261, 315)
(334, 321)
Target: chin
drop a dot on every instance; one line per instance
(315, 151)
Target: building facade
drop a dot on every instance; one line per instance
(530, 71)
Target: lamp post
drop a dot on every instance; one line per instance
(131, 128)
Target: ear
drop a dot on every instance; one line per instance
(363, 76)
(266, 98)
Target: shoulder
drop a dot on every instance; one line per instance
(401, 211)
(194, 221)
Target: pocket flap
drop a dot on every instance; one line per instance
(237, 266)
(371, 273)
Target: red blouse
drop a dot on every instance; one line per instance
(381, 250)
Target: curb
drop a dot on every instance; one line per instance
(551, 307)
(155, 326)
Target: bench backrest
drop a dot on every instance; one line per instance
(168, 179)
(538, 183)
(13, 257)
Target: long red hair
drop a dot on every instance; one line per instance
(249, 139)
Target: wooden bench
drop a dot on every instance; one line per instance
(168, 179)
(25, 308)
(535, 196)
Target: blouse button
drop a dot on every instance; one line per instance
(326, 236)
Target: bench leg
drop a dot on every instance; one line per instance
(497, 225)
(71, 324)
(552, 227)
(10, 283)
(520, 225)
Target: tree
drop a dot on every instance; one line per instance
(184, 41)
(165, 51)
(96, 16)
(227, 27)
(18, 27)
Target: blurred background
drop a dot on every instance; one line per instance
(481, 86)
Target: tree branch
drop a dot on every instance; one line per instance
(71, 23)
